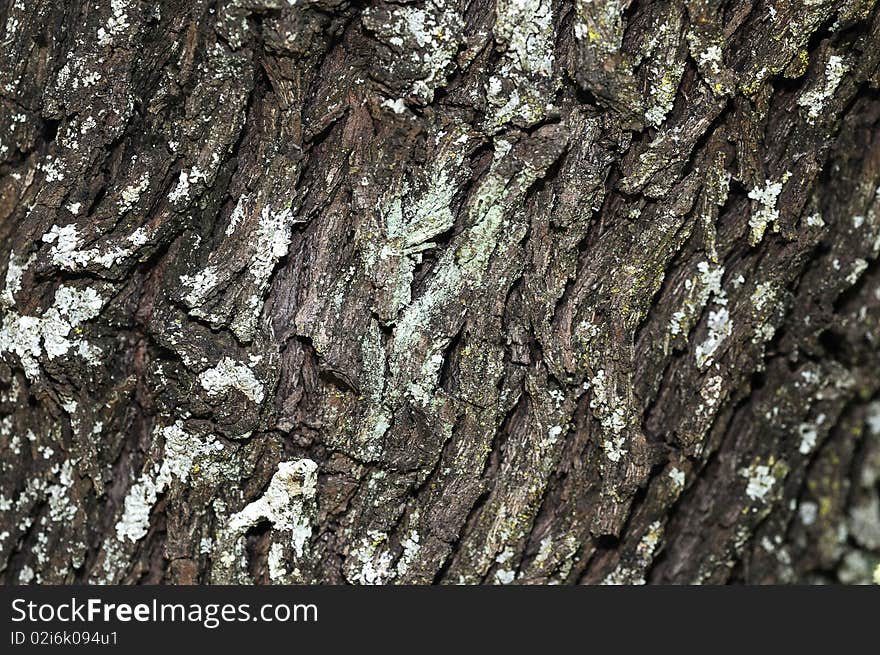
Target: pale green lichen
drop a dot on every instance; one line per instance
(600, 24)
(517, 92)
(410, 219)
(763, 295)
(458, 268)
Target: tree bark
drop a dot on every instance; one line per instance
(439, 291)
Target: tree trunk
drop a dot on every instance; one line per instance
(512, 291)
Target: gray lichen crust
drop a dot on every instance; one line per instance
(451, 291)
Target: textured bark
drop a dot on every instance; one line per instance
(523, 291)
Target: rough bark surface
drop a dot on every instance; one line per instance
(512, 291)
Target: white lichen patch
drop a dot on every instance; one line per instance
(368, 562)
(398, 106)
(181, 191)
(859, 267)
(808, 512)
(545, 548)
(525, 26)
(699, 289)
(710, 393)
(872, 419)
(720, 327)
(504, 576)
(66, 253)
(200, 285)
(678, 477)
(553, 434)
(181, 451)
(29, 337)
(229, 374)
(288, 505)
(760, 481)
(663, 96)
(612, 415)
(132, 193)
(411, 548)
(864, 522)
(614, 449)
(26, 575)
(814, 220)
(275, 560)
(65, 242)
(711, 58)
(237, 215)
(116, 24)
(809, 433)
(763, 295)
(281, 504)
(765, 212)
(53, 168)
(421, 390)
(662, 73)
(271, 243)
(185, 180)
(815, 100)
(61, 507)
(763, 300)
(14, 272)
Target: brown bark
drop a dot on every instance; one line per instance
(523, 291)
